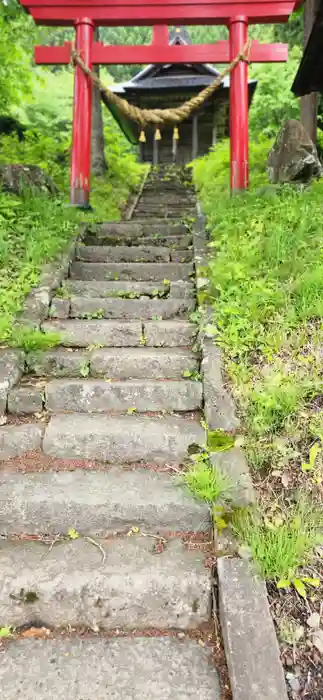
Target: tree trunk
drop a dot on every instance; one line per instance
(309, 103)
(99, 164)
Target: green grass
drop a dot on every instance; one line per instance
(280, 549)
(266, 282)
(266, 287)
(206, 482)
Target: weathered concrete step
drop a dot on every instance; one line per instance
(96, 332)
(122, 439)
(139, 272)
(129, 309)
(143, 668)
(143, 363)
(134, 363)
(181, 289)
(132, 588)
(97, 503)
(97, 395)
(122, 253)
(83, 334)
(139, 227)
(156, 239)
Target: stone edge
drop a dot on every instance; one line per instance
(35, 309)
(249, 636)
(219, 408)
(217, 396)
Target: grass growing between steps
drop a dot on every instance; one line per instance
(34, 230)
(266, 288)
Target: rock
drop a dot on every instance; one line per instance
(15, 178)
(293, 157)
(317, 640)
(313, 621)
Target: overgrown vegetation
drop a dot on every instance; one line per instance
(266, 287)
(34, 228)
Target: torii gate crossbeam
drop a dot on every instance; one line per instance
(85, 16)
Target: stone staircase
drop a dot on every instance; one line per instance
(100, 543)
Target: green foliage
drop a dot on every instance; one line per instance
(33, 230)
(280, 549)
(211, 172)
(15, 55)
(206, 482)
(274, 102)
(31, 340)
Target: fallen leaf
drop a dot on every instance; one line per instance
(285, 479)
(36, 633)
(72, 533)
(313, 621)
(317, 640)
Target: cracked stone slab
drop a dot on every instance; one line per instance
(93, 332)
(95, 395)
(99, 669)
(234, 463)
(98, 503)
(170, 333)
(219, 407)
(248, 631)
(60, 308)
(25, 399)
(59, 362)
(15, 440)
(11, 369)
(142, 363)
(130, 309)
(122, 439)
(122, 253)
(115, 289)
(132, 588)
(139, 272)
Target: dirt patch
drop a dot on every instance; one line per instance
(37, 461)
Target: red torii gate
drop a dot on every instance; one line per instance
(86, 15)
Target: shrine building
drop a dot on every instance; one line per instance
(169, 85)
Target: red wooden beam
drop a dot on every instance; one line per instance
(198, 53)
(153, 13)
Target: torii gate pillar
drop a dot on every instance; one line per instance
(82, 118)
(238, 30)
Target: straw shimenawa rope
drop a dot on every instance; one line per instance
(158, 117)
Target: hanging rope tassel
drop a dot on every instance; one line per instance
(175, 140)
(157, 135)
(142, 137)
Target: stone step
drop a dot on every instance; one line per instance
(82, 307)
(139, 272)
(127, 363)
(100, 396)
(93, 288)
(142, 668)
(97, 503)
(131, 588)
(122, 439)
(140, 227)
(122, 253)
(142, 363)
(156, 239)
(74, 333)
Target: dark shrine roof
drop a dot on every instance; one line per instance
(309, 77)
(168, 76)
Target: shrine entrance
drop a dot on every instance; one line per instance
(85, 16)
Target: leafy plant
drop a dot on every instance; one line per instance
(280, 548)
(192, 374)
(30, 340)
